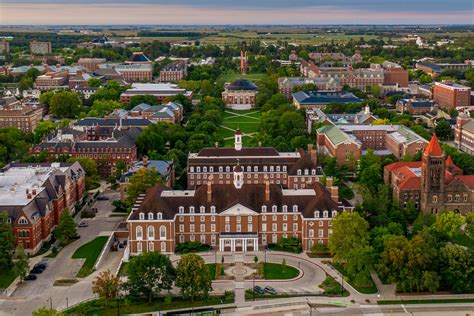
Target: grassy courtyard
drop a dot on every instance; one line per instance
(7, 277)
(277, 271)
(90, 252)
(229, 77)
(248, 121)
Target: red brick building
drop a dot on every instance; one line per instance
(91, 64)
(395, 76)
(160, 91)
(20, 115)
(173, 72)
(433, 185)
(34, 197)
(451, 95)
(464, 134)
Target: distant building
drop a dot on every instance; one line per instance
(347, 143)
(108, 123)
(450, 95)
(86, 91)
(135, 72)
(79, 80)
(160, 91)
(91, 64)
(40, 48)
(105, 145)
(243, 62)
(434, 69)
(340, 57)
(394, 74)
(240, 94)
(138, 58)
(170, 112)
(34, 197)
(319, 99)
(287, 84)
(173, 72)
(464, 134)
(4, 47)
(316, 116)
(20, 115)
(165, 169)
(52, 80)
(434, 184)
(414, 106)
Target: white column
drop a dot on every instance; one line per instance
(244, 244)
(255, 244)
(221, 241)
(232, 245)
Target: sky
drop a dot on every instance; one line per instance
(219, 12)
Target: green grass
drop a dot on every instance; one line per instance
(276, 271)
(332, 288)
(123, 269)
(430, 301)
(7, 277)
(464, 240)
(229, 77)
(248, 121)
(97, 307)
(90, 252)
(369, 288)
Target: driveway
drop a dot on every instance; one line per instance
(33, 294)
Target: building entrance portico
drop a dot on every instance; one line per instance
(235, 242)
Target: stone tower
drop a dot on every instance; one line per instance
(432, 177)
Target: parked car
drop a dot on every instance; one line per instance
(36, 270)
(82, 224)
(41, 265)
(257, 289)
(102, 198)
(30, 277)
(270, 290)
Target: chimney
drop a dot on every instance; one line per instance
(329, 182)
(209, 189)
(267, 188)
(313, 153)
(335, 193)
(34, 192)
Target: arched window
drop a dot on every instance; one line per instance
(22, 221)
(325, 214)
(150, 215)
(334, 214)
(285, 208)
(141, 216)
(213, 209)
(139, 232)
(159, 216)
(274, 208)
(163, 232)
(264, 208)
(151, 232)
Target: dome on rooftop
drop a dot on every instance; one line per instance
(242, 84)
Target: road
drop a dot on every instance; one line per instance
(33, 294)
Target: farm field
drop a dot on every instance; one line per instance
(248, 121)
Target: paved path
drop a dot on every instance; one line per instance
(34, 294)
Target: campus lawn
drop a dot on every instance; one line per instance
(276, 271)
(368, 288)
(229, 77)
(90, 252)
(331, 287)
(7, 277)
(123, 269)
(127, 307)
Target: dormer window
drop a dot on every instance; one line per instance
(284, 168)
(202, 209)
(295, 208)
(271, 169)
(213, 209)
(274, 208)
(191, 209)
(264, 208)
(316, 214)
(204, 169)
(211, 169)
(334, 214)
(22, 221)
(198, 169)
(181, 209)
(227, 169)
(285, 208)
(249, 169)
(265, 168)
(298, 172)
(306, 172)
(325, 214)
(150, 215)
(159, 216)
(255, 169)
(313, 172)
(221, 169)
(277, 168)
(141, 216)
(191, 169)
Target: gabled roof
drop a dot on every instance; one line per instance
(412, 183)
(399, 164)
(433, 148)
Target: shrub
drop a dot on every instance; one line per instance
(191, 246)
(291, 244)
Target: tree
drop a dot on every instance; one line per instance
(349, 243)
(94, 82)
(448, 224)
(21, 261)
(107, 286)
(140, 182)
(44, 311)
(305, 87)
(91, 169)
(120, 168)
(7, 242)
(43, 128)
(457, 268)
(149, 274)
(45, 97)
(147, 99)
(101, 108)
(443, 129)
(192, 277)
(66, 229)
(65, 104)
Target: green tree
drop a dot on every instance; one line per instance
(42, 129)
(457, 268)
(138, 99)
(44, 311)
(448, 224)
(66, 229)
(91, 169)
(149, 274)
(140, 182)
(65, 104)
(120, 168)
(100, 108)
(107, 286)
(45, 97)
(192, 277)
(7, 242)
(94, 82)
(443, 129)
(21, 261)
(305, 87)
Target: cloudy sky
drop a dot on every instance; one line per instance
(195, 12)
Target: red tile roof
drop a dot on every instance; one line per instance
(409, 164)
(450, 165)
(433, 148)
(412, 183)
(467, 180)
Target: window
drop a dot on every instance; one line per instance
(264, 208)
(159, 216)
(203, 228)
(150, 215)
(274, 227)
(249, 227)
(227, 219)
(191, 237)
(434, 199)
(151, 246)
(181, 209)
(211, 169)
(298, 172)
(274, 238)
(264, 227)
(320, 232)
(203, 219)
(255, 169)
(320, 223)
(295, 226)
(191, 218)
(285, 217)
(264, 239)
(274, 208)
(202, 209)
(334, 214)
(274, 218)
(181, 218)
(191, 209)
(227, 228)
(325, 214)
(239, 219)
(285, 227)
(213, 209)
(285, 208)
(191, 169)
(203, 239)
(139, 232)
(163, 246)
(139, 247)
(151, 232)
(181, 228)
(457, 198)
(163, 232)
(264, 218)
(239, 228)
(213, 218)
(311, 233)
(191, 228)
(181, 238)
(250, 218)
(213, 227)
(295, 217)
(140, 216)
(295, 208)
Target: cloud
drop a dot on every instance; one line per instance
(205, 12)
